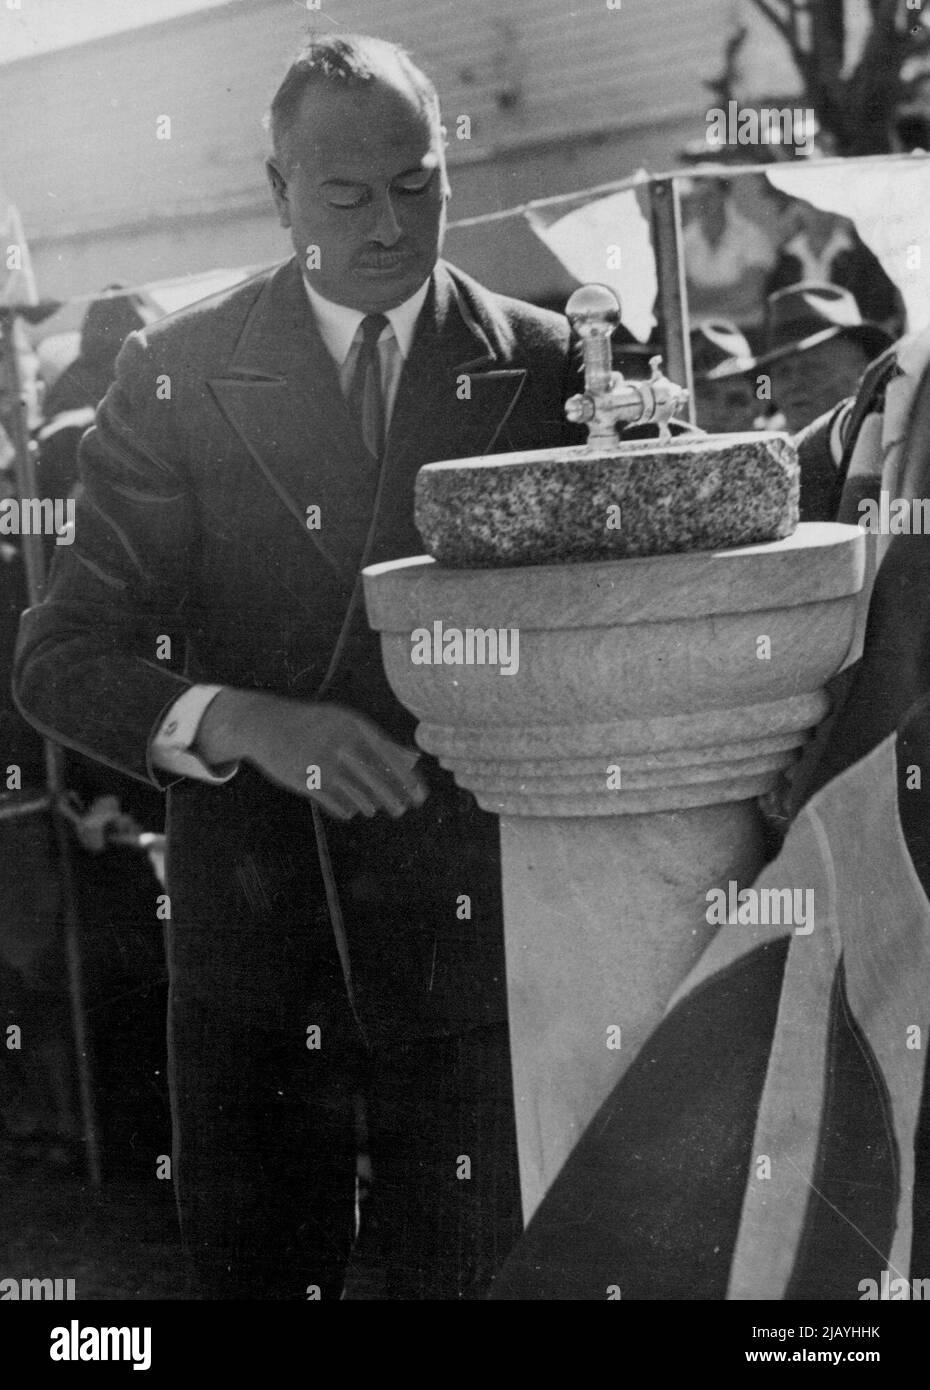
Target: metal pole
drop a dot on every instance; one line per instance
(673, 294)
(34, 560)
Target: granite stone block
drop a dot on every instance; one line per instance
(548, 506)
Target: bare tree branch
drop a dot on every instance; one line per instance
(786, 24)
(857, 108)
(828, 38)
(724, 85)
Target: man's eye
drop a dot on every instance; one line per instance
(347, 197)
(414, 185)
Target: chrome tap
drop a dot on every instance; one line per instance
(594, 312)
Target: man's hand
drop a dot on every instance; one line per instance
(360, 768)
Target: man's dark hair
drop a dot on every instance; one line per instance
(348, 59)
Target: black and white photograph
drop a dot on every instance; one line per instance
(465, 698)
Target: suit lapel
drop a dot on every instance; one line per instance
(455, 392)
(282, 397)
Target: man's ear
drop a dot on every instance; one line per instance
(279, 192)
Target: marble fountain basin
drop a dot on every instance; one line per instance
(635, 498)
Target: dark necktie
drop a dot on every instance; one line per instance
(366, 394)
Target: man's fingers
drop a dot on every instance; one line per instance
(350, 789)
(389, 796)
(401, 777)
(331, 804)
(401, 761)
(408, 785)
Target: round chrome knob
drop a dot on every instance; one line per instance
(593, 309)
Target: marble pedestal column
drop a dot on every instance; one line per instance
(622, 723)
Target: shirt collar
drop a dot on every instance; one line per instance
(838, 240)
(338, 324)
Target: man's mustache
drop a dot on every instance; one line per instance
(374, 253)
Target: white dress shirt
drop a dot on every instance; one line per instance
(339, 328)
(171, 747)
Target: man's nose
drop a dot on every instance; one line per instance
(386, 230)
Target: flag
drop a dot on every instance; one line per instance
(606, 241)
(765, 1143)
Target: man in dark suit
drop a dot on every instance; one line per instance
(206, 632)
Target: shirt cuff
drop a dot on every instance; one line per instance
(171, 747)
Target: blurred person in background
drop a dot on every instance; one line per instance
(727, 256)
(115, 888)
(115, 881)
(826, 247)
(817, 347)
(37, 1113)
(71, 400)
(724, 390)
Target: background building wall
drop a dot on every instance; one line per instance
(560, 94)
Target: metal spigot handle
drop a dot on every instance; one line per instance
(608, 400)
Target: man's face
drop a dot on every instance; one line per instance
(362, 178)
(727, 405)
(708, 204)
(805, 384)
